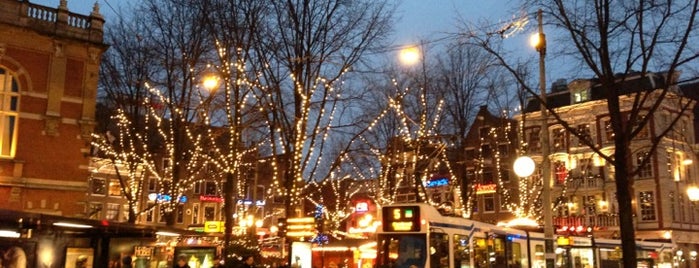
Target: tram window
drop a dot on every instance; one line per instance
(402, 251)
(439, 250)
(538, 256)
(462, 252)
(516, 253)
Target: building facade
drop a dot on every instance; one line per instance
(584, 191)
(49, 62)
(490, 149)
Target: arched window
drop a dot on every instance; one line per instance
(9, 113)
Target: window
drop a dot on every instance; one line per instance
(195, 213)
(488, 203)
(9, 112)
(125, 214)
(209, 213)
(646, 170)
(197, 187)
(98, 186)
(608, 131)
(534, 141)
(559, 140)
(504, 175)
(180, 214)
(462, 252)
(643, 133)
(94, 211)
(646, 201)
(673, 210)
(581, 95)
(210, 188)
(585, 132)
(484, 133)
(559, 168)
(149, 215)
(487, 176)
(161, 217)
(503, 150)
(114, 187)
(152, 185)
(112, 212)
(486, 151)
(590, 204)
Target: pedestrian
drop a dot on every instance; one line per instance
(181, 262)
(126, 262)
(248, 262)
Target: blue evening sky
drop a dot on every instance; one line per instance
(416, 20)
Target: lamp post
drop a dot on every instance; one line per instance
(539, 42)
(210, 80)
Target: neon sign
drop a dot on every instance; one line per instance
(437, 182)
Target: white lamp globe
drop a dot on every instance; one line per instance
(524, 166)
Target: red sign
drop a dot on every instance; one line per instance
(485, 188)
(210, 198)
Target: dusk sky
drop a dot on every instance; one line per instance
(416, 19)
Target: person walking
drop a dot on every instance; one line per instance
(248, 262)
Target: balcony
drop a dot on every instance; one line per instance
(585, 182)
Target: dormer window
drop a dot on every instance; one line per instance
(580, 95)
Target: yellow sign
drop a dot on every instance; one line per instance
(300, 227)
(402, 225)
(140, 251)
(564, 241)
(213, 227)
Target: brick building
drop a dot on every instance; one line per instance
(49, 62)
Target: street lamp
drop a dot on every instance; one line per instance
(409, 55)
(211, 82)
(539, 42)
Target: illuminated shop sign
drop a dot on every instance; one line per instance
(401, 219)
(485, 188)
(210, 198)
(361, 207)
(164, 198)
(436, 182)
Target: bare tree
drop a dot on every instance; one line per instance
(306, 48)
(616, 41)
(153, 74)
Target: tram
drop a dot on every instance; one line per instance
(416, 235)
